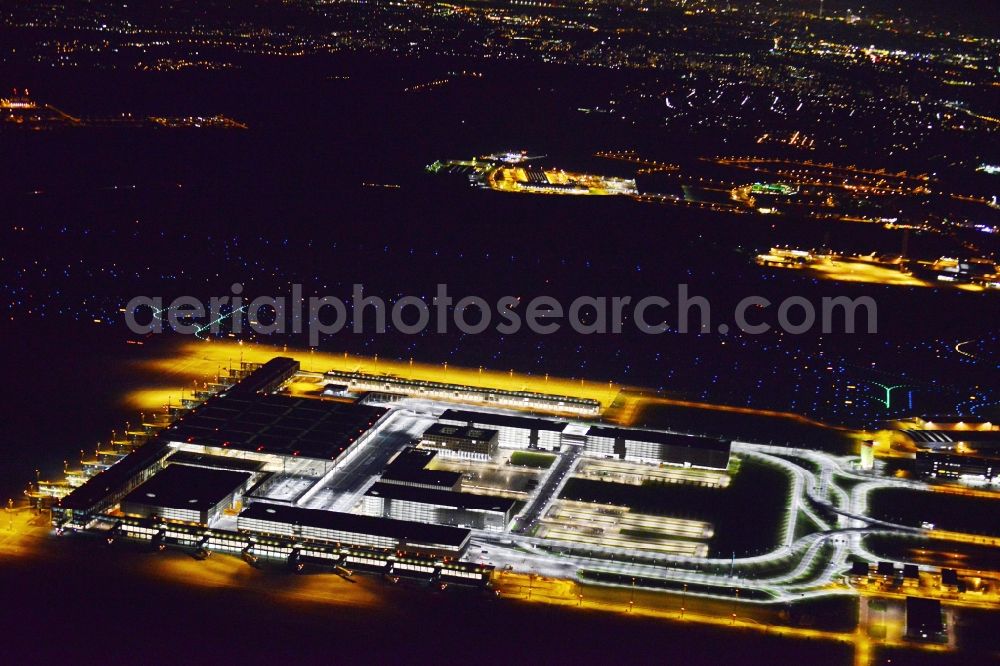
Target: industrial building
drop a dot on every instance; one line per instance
(442, 507)
(461, 441)
(653, 446)
(514, 432)
(348, 528)
(408, 468)
(187, 494)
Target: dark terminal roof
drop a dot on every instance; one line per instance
(657, 437)
(215, 462)
(502, 420)
(405, 531)
(408, 467)
(276, 424)
(186, 487)
(113, 479)
(460, 432)
(448, 498)
(267, 377)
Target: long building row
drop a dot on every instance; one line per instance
(359, 381)
(526, 432)
(213, 467)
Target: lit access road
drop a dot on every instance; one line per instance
(809, 574)
(809, 566)
(549, 489)
(343, 487)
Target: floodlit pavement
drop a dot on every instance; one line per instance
(342, 489)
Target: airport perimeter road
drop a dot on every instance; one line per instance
(549, 489)
(810, 565)
(342, 488)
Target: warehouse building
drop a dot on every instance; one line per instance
(513, 432)
(187, 494)
(651, 446)
(357, 530)
(441, 507)
(461, 441)
(407, 468)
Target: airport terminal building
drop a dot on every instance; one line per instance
(461, 441)
(643, 446)
(253, 469)
(441, 507)
(334, 527)
(513, 432)
(653, 446)
(408, 468)
(187, 494)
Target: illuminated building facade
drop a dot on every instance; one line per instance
(441, 507)
(348, 528)
(513, 432)
(187, 494)
(460, 441)
(651, 446)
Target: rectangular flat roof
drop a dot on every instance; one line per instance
(406, 531)
(450, 498)
(217, 462)
(462, 432)
(409, 464)
(923, 613)
(422, 384)
(411, 459)
(277, 424)
(266, 377)
(114, 478)
(658, 437)
(187, 487)
(576, 429)
(502, 420)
